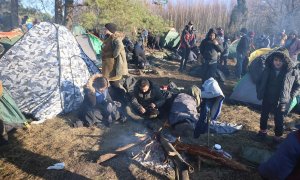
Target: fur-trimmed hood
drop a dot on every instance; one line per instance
(289, 64)
(117, 35)
(89, 84)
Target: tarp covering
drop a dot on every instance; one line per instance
(92, 46)
(45, 71)
(232, 49)
(172, 39)
(78, 30)
(9, 111)
(258, 53)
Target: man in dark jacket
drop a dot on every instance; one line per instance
(293, 45)
(285, 163)
(210, 49)
(242, 51)
(187, 41)
(146, 98)
(278, 85)
(139, 57)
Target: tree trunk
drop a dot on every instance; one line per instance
(14, 14)
(58, 12)
(68, 19)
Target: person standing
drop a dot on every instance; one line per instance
(242, 51)
(114, 65)
(293, 45)
(210, 49)
(187, 41)
(278, 85)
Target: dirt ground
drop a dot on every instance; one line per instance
(32, 150)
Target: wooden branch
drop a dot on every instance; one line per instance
(182, 167)
(108, 156)
(206, 152)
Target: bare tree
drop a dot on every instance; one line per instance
(68, 17)
(58, 11)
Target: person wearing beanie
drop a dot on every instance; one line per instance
(187, 42)
(278, 85)
(114, 63)
(97, 106)
(242, 51)
(146, 98)
(210, 49)
(293, 45)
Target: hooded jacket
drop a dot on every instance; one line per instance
(153, 95)
(209, 50)
(290, 85)
(114, 64)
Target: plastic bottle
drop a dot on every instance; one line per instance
(218, 148)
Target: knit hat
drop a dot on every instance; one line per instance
(111, 27)
(244, 30)
(190, 23)
(294, 32)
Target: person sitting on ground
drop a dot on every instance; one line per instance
(146, 98)
(139, 57)
(210, 49)
(285, 162)
(97, 105)
(278, 85)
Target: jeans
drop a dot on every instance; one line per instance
(185, 56)
(267, 108)
(202, 124)
(239, 64)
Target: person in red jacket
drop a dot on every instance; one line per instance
(187, 41)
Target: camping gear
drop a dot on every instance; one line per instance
(232, 49)
(210, 107)
(91, 46)
(255, 155)
(9, 111)
(245, 89)
(45, 71)
(171, 40)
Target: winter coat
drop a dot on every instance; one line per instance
(153, 95)
(114, 64)
(294, 49)
(210, 51)
(92, 101)
(184, 109)
(187, 39)
(284, 164)
(243, 45)
(290, 84)
(225, 52)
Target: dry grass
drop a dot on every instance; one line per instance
(31, 151)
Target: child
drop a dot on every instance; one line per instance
(98, 105)
(277, 86)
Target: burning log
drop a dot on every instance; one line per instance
(182, 167)
(207, 153)
(108, 156)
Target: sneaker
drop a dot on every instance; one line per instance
(260, 136)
